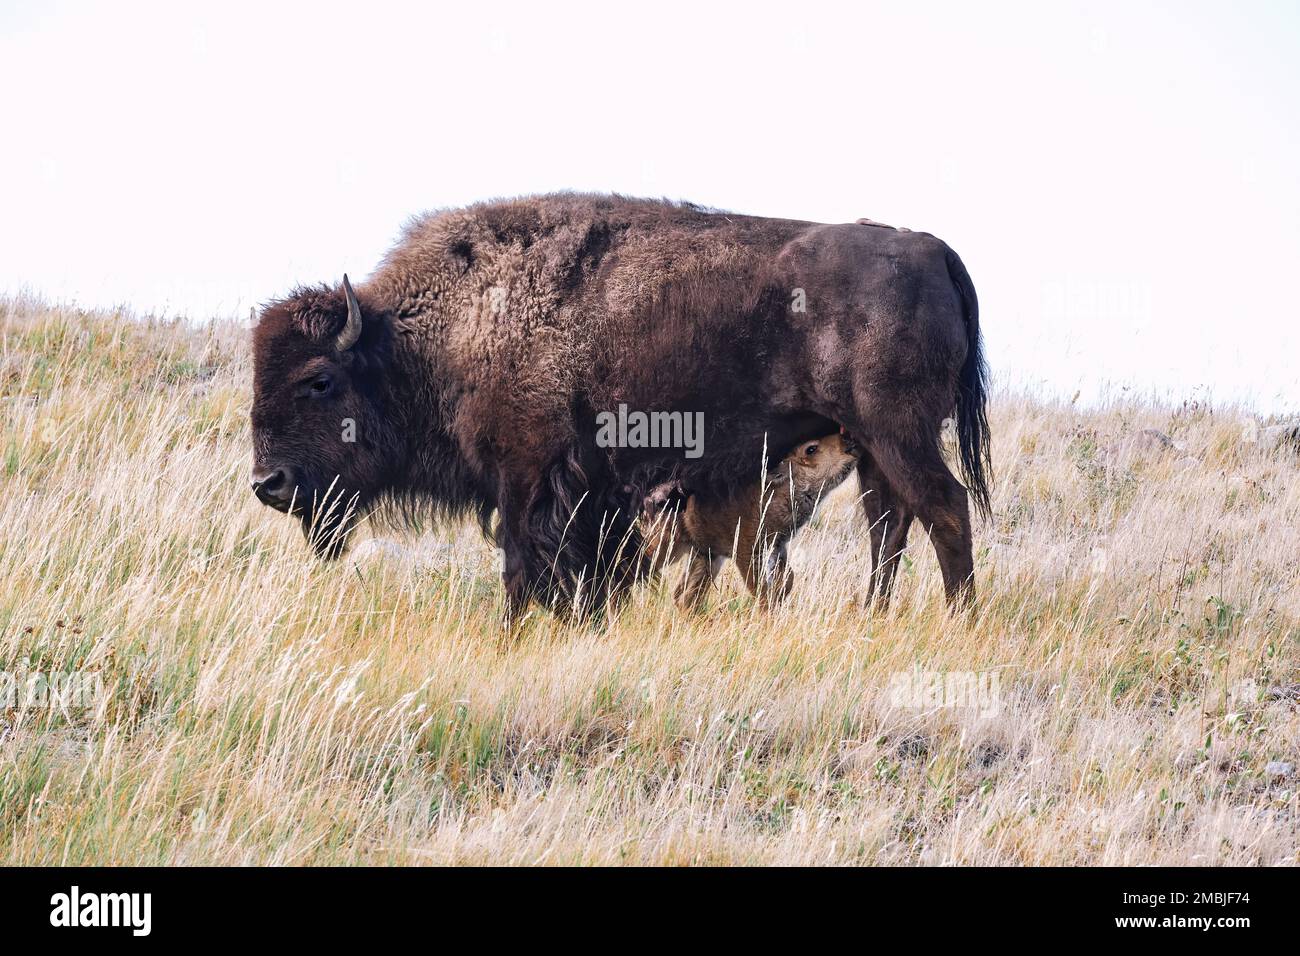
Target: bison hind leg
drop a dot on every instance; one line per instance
(921, 481)
(889, 522)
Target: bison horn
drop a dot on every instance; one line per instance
(352, 331)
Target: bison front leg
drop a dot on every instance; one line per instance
(520, 586)
(569, 544)
(519, 564)
(515, 580)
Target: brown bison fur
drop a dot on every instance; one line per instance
(752, 526)
(490, 337)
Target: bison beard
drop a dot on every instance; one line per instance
(327, 523)
(476, 360)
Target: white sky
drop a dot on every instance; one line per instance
(1121, 179)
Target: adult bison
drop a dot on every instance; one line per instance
(467, 374)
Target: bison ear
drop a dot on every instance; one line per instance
(352, 331)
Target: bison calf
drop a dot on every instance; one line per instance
(752, 527)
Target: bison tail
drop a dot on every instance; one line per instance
(973, 438)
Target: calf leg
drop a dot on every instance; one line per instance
(780, 579)
(701, 569)
(767, 577)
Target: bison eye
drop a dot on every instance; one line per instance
(319, 387)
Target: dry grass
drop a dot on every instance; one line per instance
(259, 707)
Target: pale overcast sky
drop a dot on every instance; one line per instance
(1120, 178)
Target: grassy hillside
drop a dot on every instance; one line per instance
(1139, 608)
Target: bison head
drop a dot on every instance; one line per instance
(319, 448)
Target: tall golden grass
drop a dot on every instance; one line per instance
(1138, 609)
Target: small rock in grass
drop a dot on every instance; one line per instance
(1282, 437)
(378, 548)
(1147, 443)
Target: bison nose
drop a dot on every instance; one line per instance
(273, 487)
